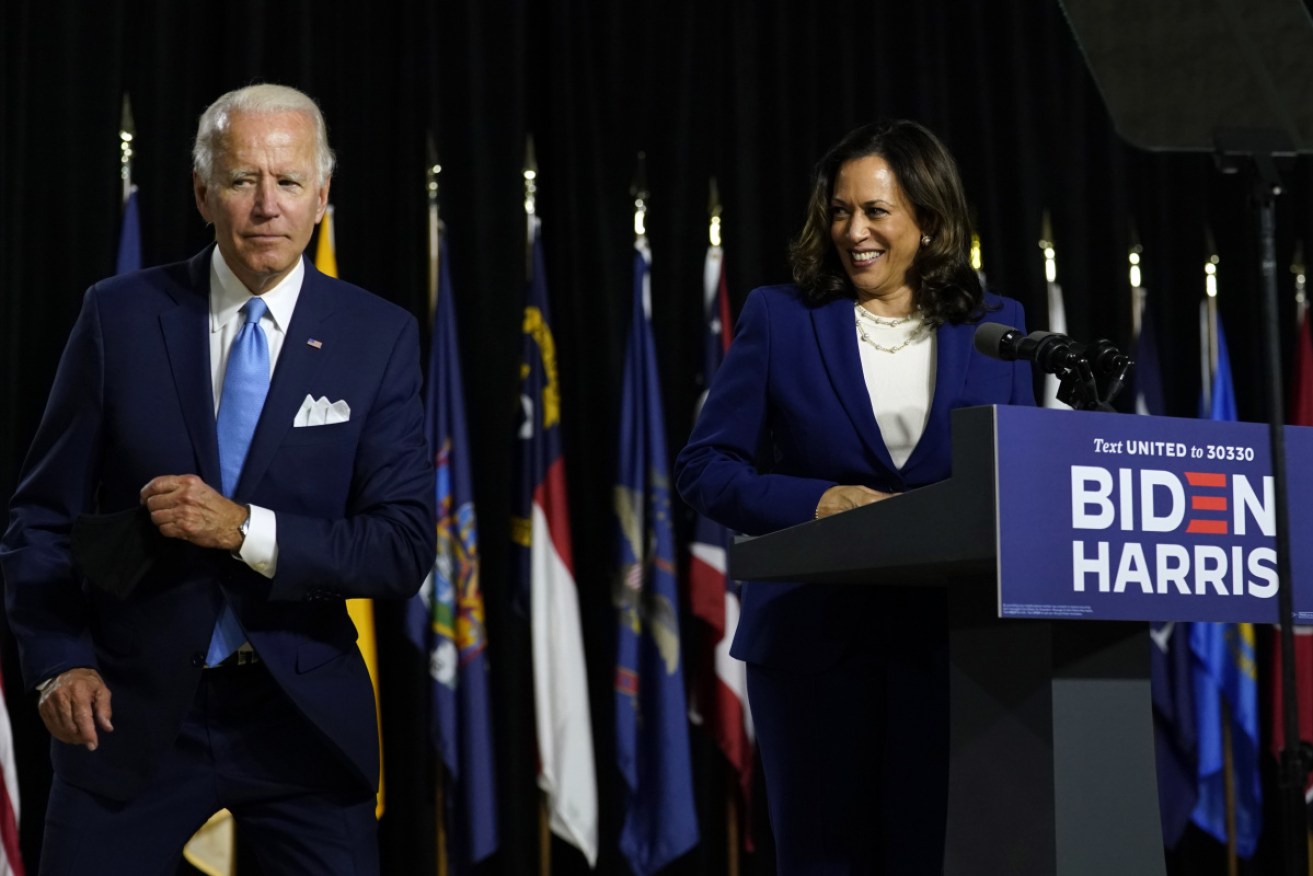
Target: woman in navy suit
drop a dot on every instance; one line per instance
(835, 394)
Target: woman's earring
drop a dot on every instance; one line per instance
(925, 240)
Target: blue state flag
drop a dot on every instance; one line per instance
(129, 257)
(446, 620)
(660, 821)
(1226, 670)
(1171, 665)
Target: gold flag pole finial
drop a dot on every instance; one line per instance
(640, 195)
(127, 133)
(714, 210)
(977, 254)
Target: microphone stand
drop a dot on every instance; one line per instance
(1254, 150)
(1077, 388)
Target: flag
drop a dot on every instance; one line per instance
(11, 857)
(326, 245)
(713, 595)
(1170, 660)
(129, 257)
(1225, 670)
(1301, 414)
(1146, 378)
(1057, 325)
(545, 584)
(361, 610)
(651, 723)
(446, 620)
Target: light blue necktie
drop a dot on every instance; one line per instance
(245, 384)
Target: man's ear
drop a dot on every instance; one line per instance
(200, 189)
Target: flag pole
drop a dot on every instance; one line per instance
(530, 202)
(127, 133)
(431, 171)
(1297, 267)
(1136, 278)
(1056, 312)
(530, 173)
(715, 210)
(1228, 750)
(1208, 323)
(1301, 296)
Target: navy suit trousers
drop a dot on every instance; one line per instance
(244, 746)
(855, 754)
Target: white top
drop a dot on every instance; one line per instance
(901, 384)
(228, 295)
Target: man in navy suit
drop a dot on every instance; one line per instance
(228, 676)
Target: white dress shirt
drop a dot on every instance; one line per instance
(901, 385)
(228, 295)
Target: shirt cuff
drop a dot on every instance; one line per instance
(259, 550)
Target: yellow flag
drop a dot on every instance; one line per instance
(361, 610)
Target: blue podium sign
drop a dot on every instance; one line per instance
(1117, 517)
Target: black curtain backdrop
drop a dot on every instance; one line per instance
(748, 92)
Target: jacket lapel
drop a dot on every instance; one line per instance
(298, 362)
(186, 338)
(836, 336)
(952, 351)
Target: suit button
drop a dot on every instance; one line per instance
(198, 660)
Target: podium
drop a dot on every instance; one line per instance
(1058, 535)
(1051, 761)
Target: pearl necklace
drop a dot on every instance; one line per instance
(913, 335)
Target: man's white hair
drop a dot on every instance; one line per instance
(263, 98)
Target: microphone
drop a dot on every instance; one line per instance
(1051, 352)
(1104, 357)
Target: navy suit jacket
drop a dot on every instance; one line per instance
(787, 417)
(132, 400)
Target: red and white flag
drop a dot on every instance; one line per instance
(545, 582)
(11, 859)
(713, 595)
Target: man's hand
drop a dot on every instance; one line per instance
(185, 507)
(74, 705)
(845, 498)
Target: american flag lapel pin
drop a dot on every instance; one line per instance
(314, 342)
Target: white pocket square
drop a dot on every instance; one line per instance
(321, 412)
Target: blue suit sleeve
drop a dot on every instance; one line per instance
(385, 544)
(43, 595)
(717, 472)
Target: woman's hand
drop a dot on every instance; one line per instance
(845, 498)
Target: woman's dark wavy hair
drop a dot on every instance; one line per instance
(944, 285)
